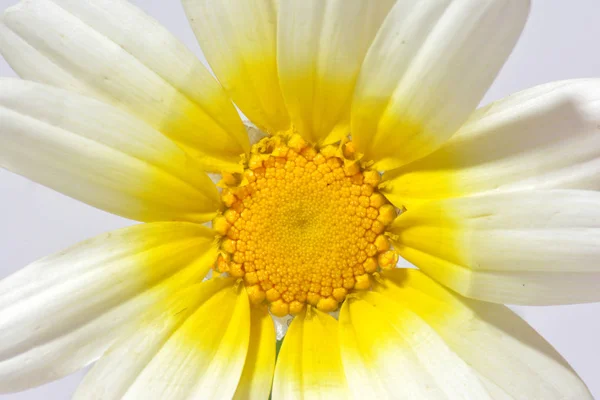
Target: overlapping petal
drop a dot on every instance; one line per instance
(100, 155)
(389, 352)
(194, 347)
(547, 137)
(239, 40)
(531, 247)
(111, 50)
(309, 364)
(428, 68)
(320, 49)
(257, 376)
(62, 312)
(510, 358)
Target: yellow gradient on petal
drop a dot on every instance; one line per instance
(98, 154)
(309, 363)
(321, 362)
(228, 308)
(412, 93)
(433, 177)
(439, 307)
(152, 75)
(258, 94)
(177, 346)
(257, 376)
(420, 293)
(175, 187)
(239, 40)
(321, 47)
(203, 122)
(319, 118)
(172, 256)
(541, 138)
(432, 238)
(184, 301)
(216, 142)
(181, 244)
(205, 353)
(504, 350)
(98, 289)
(431, 230)
(390, 140)
(502, 247)
(390, 352)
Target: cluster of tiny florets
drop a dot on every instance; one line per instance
(303, 226)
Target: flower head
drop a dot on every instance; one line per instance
(363, 146)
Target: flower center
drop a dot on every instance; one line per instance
(303, 225)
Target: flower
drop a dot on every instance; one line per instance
(496, 205)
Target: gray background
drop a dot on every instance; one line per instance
(561, 41)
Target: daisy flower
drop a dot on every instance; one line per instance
(365, 145)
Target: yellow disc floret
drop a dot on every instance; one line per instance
(303, 226)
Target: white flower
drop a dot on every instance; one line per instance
(497, 205)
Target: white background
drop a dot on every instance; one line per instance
(561, 41)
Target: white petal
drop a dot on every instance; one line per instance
(100, 155)
(111, 50)
(511, 359)
(547, 137)
(194, 347)
(239, 40)
(309, 364)
(389, 352)
(320, 48)
(62, 312)
(536, 248)
(428, 68)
